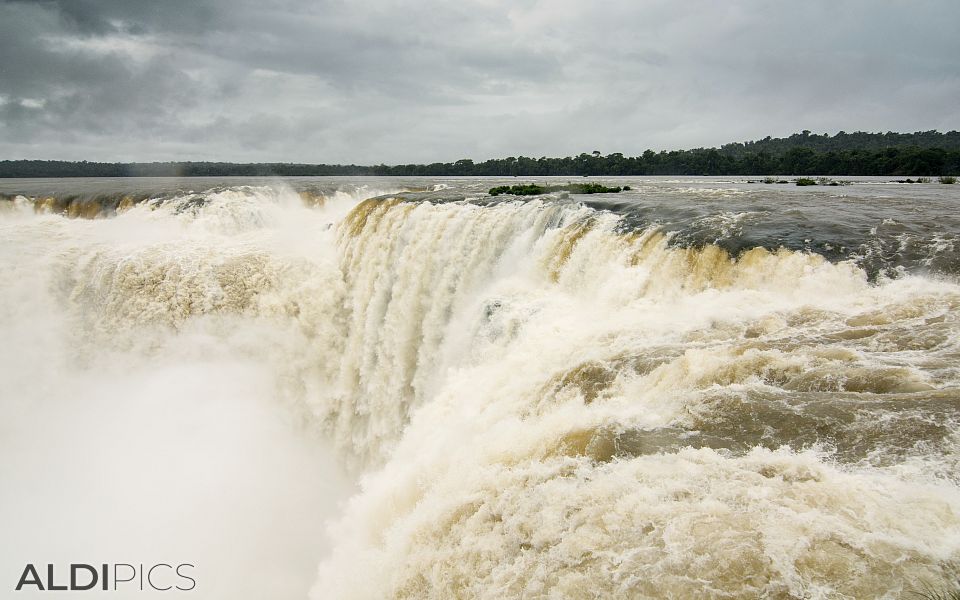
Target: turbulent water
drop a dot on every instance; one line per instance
(696, 388)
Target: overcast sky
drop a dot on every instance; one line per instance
(370, 81)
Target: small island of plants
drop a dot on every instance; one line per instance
(534, 189)
(804, 181)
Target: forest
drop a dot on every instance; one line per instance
(926, 153)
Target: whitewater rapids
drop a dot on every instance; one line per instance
(435, 394)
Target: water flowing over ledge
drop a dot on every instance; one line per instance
(550, 397)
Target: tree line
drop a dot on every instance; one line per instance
(928, 153)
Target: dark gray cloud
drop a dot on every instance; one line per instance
(389, 81)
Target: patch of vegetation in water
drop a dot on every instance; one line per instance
(533, 189)
(833, 182)
(803, 181)
(948, 179)
(529, 189)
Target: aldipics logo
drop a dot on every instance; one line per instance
(162, 577)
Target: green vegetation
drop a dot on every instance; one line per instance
(530, 189)
(533, 189)
(818, 181)
(593, 188)
(948, 179)
(846, 141)
(828, 181)
(928, 153)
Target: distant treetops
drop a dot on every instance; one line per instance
(923, 153)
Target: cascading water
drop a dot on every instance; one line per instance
(692, 390)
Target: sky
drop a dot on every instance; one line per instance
(379, 81)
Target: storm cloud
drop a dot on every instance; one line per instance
(367, 81)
